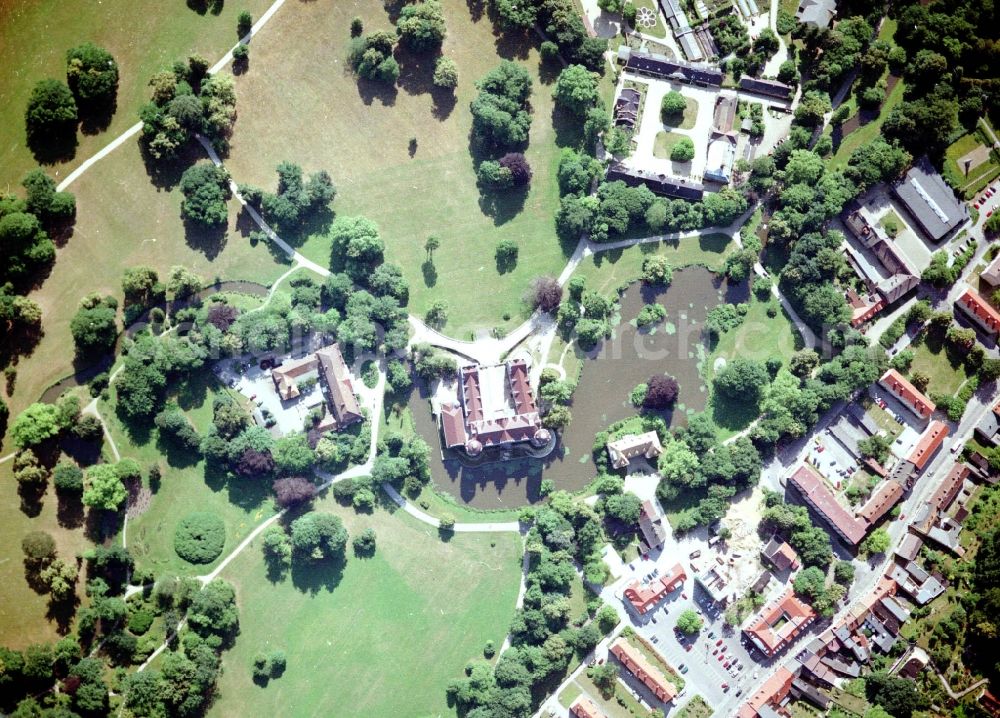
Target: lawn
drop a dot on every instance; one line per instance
(144, 36)
(23, 612)
(607, 271)
(695, 708)
(664, 143)
(242, 504)
(892, 223)
(657, 30)
(942, 364)
(381, 637)
(362, 134)
(124, 220)
(758, 337)
(979, 175)
(867, 132)
(687, 119)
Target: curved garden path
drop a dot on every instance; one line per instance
(137, 127)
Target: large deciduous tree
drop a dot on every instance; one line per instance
(206, 190)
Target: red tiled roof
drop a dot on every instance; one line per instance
(453, 424)
(471, 393)
(520, 387)
(979, 308)
(771, 693)
(902, 389)
(796, 614)
(929, 443)
(341, 393)
(644, 597)
(584, 708)
(817, 495)
(882, 501)
(636, 664)
(949, 487)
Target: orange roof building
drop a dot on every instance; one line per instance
(930, 441)
(644, 597)
(900, 387)
(327, 364)
(816, 493)
(948, 489)
(979, 311)
(779, 623)
(774, 690)
(635, 663)
(882, 501)
(585, 708)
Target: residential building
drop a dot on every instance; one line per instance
(714, 583)
(991, 275)
(779, 623)
(987, 431)
(663, 67)
(768, 88)
(928, 445)
(909, 547)
(881, 502)
(651, 528)
(901, 388)
(770, 696)
(639, 666)
(815, 493)
(644, 597)
(583, 707)
(979, 311)
(497, 408)
(721, 157)
(622, 451)
(658, 183)
(920, 585)
(327, 367)
(888, 279)
(780, 555)
(930, 201)
(818, 13)
(949, 488)
(627, 107)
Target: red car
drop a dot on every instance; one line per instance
(719, 642)
(722, 657)
(726, 665)
(715, 651)
(687, 647)
(990, 213)
(725, 686)
(975, 205)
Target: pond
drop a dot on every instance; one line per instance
(674, 346)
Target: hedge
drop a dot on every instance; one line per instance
(199, 537)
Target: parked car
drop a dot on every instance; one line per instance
(726, 665)
(719, 642)
(725, 687)
(684, 669)
(695, 554)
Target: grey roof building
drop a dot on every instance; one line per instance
(648, 63)
(930, 201)
(769, 88)
(817, 13)
(660, 184)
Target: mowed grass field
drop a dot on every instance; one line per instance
(242, 504)
(143, 35)
(23, 612)
(300, 102)
(382, 637)
(124, 220)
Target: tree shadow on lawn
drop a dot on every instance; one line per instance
(515, 45)
(430, 273)
(477, 8)
(32, 497)
(444, 102)
(165, 173)
(370, 90)
(245, 226)
(69, 510)
(729, 414)
(95, 118)
(568, 128)
(62, 613)
(312, 577)
(57, 144)
(210, 241)
(176, 455)
(315, 223)
(416, 71)
(503, 205)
